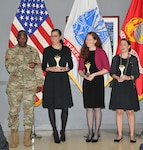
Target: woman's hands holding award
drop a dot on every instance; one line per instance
(122, 76)
(87, 65)
(57, 68)
(88, 75)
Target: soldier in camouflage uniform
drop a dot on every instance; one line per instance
(26, 78)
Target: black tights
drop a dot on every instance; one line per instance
(94, 115)
(64, 117)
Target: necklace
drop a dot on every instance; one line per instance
(123, 68)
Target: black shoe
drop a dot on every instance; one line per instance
(56, 137)
(89, 139)
(63, 137)
(95, 140)
(118, 140)
(132, 141)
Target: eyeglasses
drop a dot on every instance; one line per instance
(54, 36)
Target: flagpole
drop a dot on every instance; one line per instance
(140, 135)
(33, 133)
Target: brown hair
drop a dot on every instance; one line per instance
(85, 50)
(128, 42)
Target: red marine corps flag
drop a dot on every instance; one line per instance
(133, 30)
(32, 16)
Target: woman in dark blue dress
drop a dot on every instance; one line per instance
(124, 97)
(57, 61)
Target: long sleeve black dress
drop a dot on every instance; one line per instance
(57, 90)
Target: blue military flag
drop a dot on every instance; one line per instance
(85, 17)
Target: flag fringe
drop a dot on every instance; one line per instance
(75, 81)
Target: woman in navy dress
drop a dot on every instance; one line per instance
(124, 97)
(57, 61)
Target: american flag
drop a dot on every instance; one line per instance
(32, 16)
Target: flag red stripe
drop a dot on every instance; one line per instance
(38, 44)
(50, 23)
(37, 99)
(44, 34)
(10, 44)
(14, 30)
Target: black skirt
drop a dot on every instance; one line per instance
(124, 96)
(93, 91)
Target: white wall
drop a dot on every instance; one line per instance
(58, 11)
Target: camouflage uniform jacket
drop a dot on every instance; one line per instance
(21, 75)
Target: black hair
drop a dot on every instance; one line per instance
(59, 32)
(21, 32)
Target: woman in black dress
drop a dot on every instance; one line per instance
(93, 64)
(124, 71)
(57, 61)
